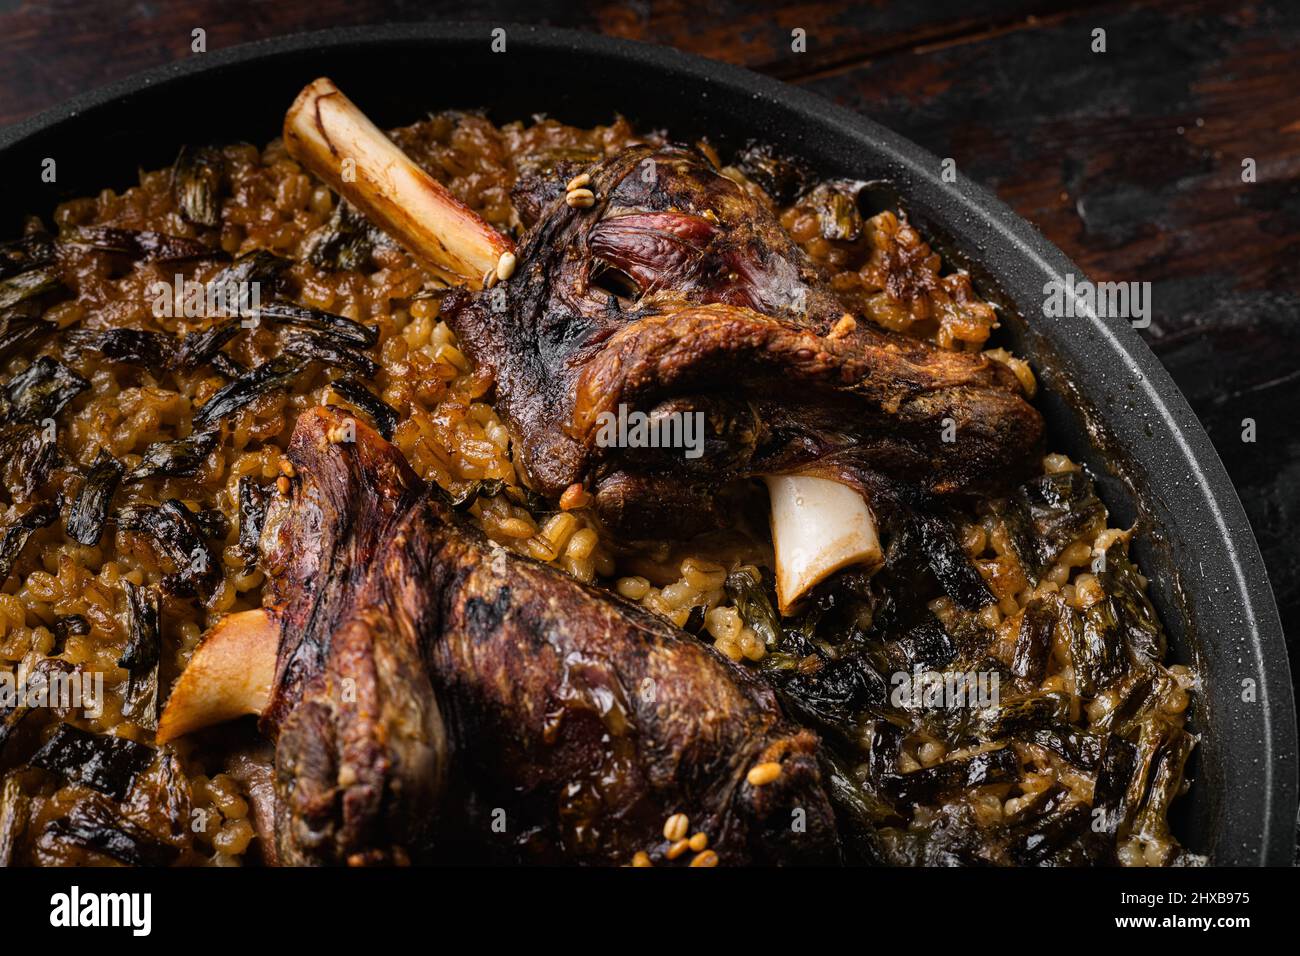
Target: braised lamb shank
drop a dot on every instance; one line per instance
(677, 290)
(416, 658)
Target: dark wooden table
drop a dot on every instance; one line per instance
(1129, 160)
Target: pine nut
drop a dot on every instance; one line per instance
(580, 198)
(676, 826)
(506, 266)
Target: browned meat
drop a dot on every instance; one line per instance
(253, 768)
(584, 719)
(679, 287)
(597, 719)
(361, 749)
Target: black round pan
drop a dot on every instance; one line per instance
(1108, 401)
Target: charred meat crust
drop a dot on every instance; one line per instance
(602, 718)
(360, 743)
(679, 282)
(320, 543)
(587, 718)
(360, 761)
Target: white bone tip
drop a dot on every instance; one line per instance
(818, 527)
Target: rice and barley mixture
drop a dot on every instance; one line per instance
(447, 428)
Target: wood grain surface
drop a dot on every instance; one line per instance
(1129, 160)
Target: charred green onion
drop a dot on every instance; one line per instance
(85, 522)
(31, 454)
(148, 350)
(100, 761)
(951, 567)
(19, 332)
(1111, 793)
(277, 373)
(252, 513)
(745, 586)
(180, 537)
(380, 412)
(197, 179)
(1056, 824)
(66, 626)
(14, 817)
(14, 537)
(33, 251)
(317, 320)
(318, 347)
(259, 268)
(1034, 642)
(148, 246)
(1172, 747)
(177, 458)
(213, 523)
(12, 715)
(481, 488)
(978, 770)
(836, 205)
(143, 651)
(225, 365)
(347, 241)
(1138, 623)
(1047, 514)
(95, 826)
(1095, 648)
(780, 177)
(927, 646)
(1013, 718)
(199, 348)
(28, 285)
(1079, 747)
(40, 391)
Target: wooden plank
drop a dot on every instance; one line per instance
(49, 52)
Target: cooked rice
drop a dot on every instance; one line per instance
(448, 430)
